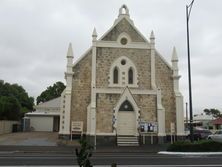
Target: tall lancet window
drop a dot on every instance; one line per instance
(115, 75)
(123, 73)
(130, 76)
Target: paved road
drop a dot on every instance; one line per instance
(108, 158)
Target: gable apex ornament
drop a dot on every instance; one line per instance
(123, 10)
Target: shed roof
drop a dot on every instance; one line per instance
(217, 121)
(54, 103)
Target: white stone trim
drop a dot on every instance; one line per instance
(153, 63)
(123, 73)
(124, 35)
(116, 44)
(88, 130)
(81, 57)
(179, 114)
(178, 95)
(66, 95)
(119, 91)
(66, 106)
(62, 115)
(160, 115)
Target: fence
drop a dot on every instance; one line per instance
(6, 126)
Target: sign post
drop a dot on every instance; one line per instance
(148, 129)
(172, 131)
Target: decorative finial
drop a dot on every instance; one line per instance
(152, 35)
(94, 34)
(124, 10)
(70, 52)
(174, 55)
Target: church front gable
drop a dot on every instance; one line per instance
(121, 82)
(123, 27)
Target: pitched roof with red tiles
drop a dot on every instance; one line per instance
(217, 121)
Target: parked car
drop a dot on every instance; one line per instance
(199, 133)
(217, 136)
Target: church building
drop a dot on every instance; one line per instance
(122, 89)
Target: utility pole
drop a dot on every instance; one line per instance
(186, 114)
(188, 10)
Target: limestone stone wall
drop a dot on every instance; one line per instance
(123, 26)
(147, 105)
(105, 105)
(81, 90)
(164, 80)
(140, 57)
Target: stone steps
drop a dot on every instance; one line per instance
(127, 141)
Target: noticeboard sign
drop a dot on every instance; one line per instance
(77, 126)
(172, 127)
(148, 127)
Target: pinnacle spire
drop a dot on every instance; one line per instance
(70, 52)
(152, 35)
(174, 55)
(94, 34)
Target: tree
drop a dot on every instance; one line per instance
(84, 153)
(9, 108)
(214, 112)
(51, 92)
(14, 101)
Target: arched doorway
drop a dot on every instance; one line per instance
(126, 120)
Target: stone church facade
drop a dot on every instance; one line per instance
(121, 81)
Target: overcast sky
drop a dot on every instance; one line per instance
(34, 37)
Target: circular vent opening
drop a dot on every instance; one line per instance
(123, 41)
(123, 62)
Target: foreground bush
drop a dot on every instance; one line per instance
(84, 153)
(199, 146)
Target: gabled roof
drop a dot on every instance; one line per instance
(217, 121)
(123, 17)
(202, 117)
(129, 26)
(54, 103)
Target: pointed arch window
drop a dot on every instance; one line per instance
(130, 76)
(115, 75)
(123, 73)
(126, 106)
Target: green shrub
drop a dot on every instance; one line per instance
(199, 146)
(84, 153)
